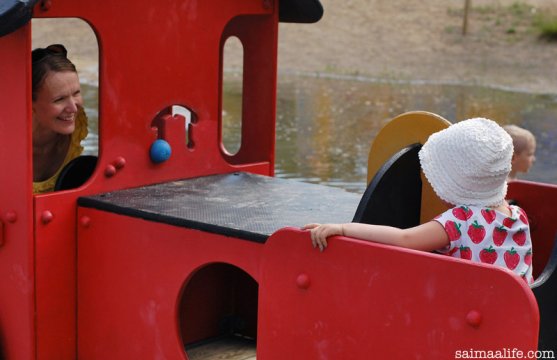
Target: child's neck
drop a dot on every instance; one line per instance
(502, 208)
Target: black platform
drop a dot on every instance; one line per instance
(241, 205)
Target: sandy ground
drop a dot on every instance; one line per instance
(404, 40)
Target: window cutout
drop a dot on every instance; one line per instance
(232, 95)
(82, 47)
(185, 112)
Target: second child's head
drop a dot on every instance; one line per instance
(468, 163)
(524, 149)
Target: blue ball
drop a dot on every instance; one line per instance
(160, 151)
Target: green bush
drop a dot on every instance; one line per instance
(547, 26)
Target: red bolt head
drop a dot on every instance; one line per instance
(303, 281)
(11, 216)
(109, 171)
(85, 221)
(47, 217)
(119, 163)
(474, 318)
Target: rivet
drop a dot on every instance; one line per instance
(474, 318)
(119, 163)
(46, 5)
(109, 171)
(267, 4)
(46, 217)
(303, 281)
(11, 216)
(85, 221)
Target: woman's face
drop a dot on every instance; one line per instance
(57, 103)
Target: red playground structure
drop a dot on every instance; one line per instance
(173, 248)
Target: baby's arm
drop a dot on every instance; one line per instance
(427, 237)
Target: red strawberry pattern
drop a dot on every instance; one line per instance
(523, 217)
(488, 255)
(511, 258)
(452, 252)
(462, 213)
(465, 252)
(489, 215)
(485, 235)
(520, 237)
(476, 232)
(528, 257)
(509, 222)
(499, 235)
(453, 230)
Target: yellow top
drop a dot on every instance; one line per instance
(74, 151)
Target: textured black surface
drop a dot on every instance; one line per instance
(242, 205)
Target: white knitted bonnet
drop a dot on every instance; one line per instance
(468, 162)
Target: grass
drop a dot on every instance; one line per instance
(515, 21)
(547, 26)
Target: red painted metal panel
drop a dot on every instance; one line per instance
(168, 53)
(55, 234)
(17, 335)
(361, 300)
(153, 55)
(351, 301)
(131, 274)
(259, 100)
(537, 200)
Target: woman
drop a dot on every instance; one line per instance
(59, 122)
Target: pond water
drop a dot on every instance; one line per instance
(325, 126)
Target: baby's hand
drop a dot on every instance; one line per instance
(320, 233)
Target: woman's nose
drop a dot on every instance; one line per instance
(72, 106)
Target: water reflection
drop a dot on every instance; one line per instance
(91, 102)
(325, 126)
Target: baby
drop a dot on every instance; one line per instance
(467, 165)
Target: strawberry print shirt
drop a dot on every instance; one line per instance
(485, 235)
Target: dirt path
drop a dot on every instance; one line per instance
(416, 40)
(395, 40)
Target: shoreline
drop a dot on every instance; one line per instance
(542, 91)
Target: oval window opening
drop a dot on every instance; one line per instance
(232, 95)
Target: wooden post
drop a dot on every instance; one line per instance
(465, 20)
